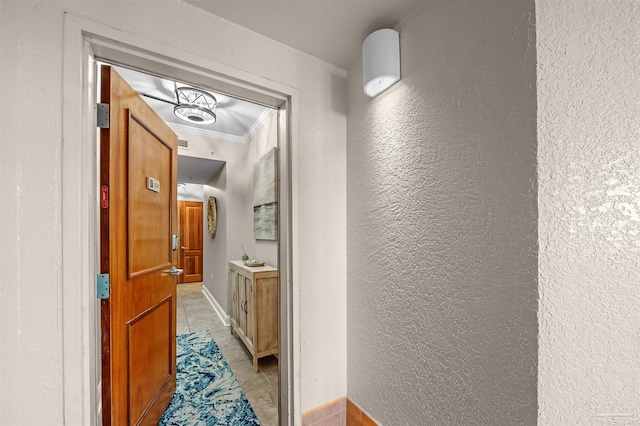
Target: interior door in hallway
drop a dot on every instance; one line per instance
(138, 219)
(191, 223)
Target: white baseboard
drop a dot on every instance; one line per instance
(223, 317)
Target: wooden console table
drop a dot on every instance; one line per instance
(253, 297)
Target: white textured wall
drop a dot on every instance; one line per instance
(441, 215)
(589, 211)
(30, 218)
(31, 193)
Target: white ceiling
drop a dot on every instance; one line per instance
(332, 30)
(237, 120)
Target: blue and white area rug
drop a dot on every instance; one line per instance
(207, 392)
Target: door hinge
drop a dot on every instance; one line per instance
(102, 285)
(102, 115)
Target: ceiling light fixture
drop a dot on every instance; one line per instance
(380, 61)
(192, 105)
(195, 106)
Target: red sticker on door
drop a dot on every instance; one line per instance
(104, 196)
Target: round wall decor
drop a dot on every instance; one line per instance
(212, 216)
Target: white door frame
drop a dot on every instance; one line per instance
(84, 40)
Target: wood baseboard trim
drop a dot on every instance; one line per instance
(357, 417)
(331, 413)
(341, 411)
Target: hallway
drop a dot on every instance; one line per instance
(195, 313)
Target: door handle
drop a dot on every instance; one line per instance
(175, 271)
(183, 247)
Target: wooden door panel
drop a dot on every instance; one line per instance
(149, 224)
(149, 357)
(192, 265)
(139, 318)
(191, 233)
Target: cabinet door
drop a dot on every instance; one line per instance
(250, 309)
(234, 296)
(242, 312)
(266, 294)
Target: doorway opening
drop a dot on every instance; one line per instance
(81, 320)
(227, 209)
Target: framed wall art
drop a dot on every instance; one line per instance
(265, 197)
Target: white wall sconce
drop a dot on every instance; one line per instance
(380, 61)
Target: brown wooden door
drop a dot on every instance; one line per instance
(139, 317)
(191, 223)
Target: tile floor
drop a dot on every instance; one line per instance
(195, 313)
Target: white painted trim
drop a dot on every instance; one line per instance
(208, 133)
(289, 326)
(290, 252)
(122, 47)
(78, 314)
(77, 296)
(257, 125)
(216, 306)
(99, 409)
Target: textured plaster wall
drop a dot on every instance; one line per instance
(589, 211)
(30, 220)
(442, 219)
(31, 231)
